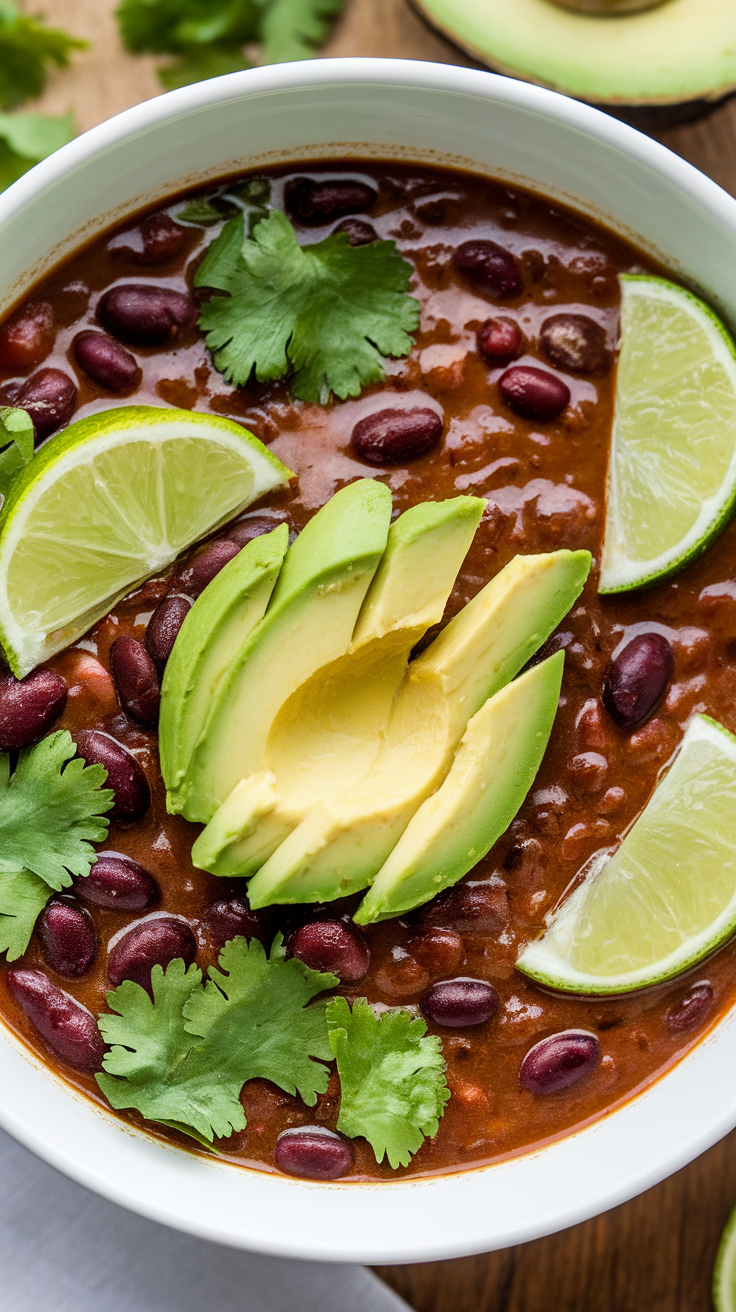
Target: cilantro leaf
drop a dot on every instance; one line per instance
(173, 26)
(27, 138)
(199, 64)
(293, 29)
(392, 1078)
(16, 444)
(27, 48)
(51, 814)
(327, 311)
(184, 1057)
(23, 897)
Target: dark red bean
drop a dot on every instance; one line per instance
(152, 943)
(459, 1002)
(331, 945)
(390, 437)
(574, 341)
(27, 338)
(254, 527)
(106, 361)
(359, 232)
(232, 918)
(534, 393)
(438, 950)
(559, 1061)
(469, 908)
(136, 680)
(118, 883)
(692, 1009)
(124, 775)
(636, 681)
(68, 939)
(28, 707)
(313, 1152)
(202, 568)
(489, 267)
(162, 238)
(144, 314)
(500, 340)
(163, 628)
(318, 202)
(68, 1028)
(50, 397)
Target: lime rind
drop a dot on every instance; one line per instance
(672, 470)
(724, 1273)
(106, 503)
(669, 827)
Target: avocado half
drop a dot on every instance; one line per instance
(655, 69)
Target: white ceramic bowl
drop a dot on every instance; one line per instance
(435, 114)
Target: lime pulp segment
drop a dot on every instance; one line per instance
(667, 897)
(105, 504)
(672, 474)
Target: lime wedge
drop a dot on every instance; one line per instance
(672, 474)
(724, 1275)
(109, 501)
(667, 897)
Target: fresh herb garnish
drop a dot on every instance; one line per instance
(392, 1078)
(183, 1057)
(16, 445)
(27, 49)
(328, 312)
(27, 138)
(23, 897)
(251, 196)
(294, 29)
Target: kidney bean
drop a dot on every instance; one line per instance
(574, 341)
(313, 1152)
(637, 680)
(67, 1027)
(232, 917)
(136, 680)
(470, 908)
(491, 268)
(254, 527)
(151, 943)
(439, 950)
(27, 338)
(559, 1061)
(389, 437)
(144, 314)
(459, 1002)
(163, 629)
(202, 568)
(106, 361)
(331, 945)
(359, 232)
(29, 706)
(318, 202)
(500, 340)
(50, 397)
(68, 939)
(162, 238)
(124, 775)
(118, 883)
(692, 1009)
(533, 393)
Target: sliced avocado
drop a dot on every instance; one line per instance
(344, 840)
(213, 632)
(493, 770)
(679, 52)
(309, 622)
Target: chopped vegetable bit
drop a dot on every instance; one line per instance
(51, 814)
(23, 897)
(184, 1057)
(27, 48)
(27, 138)
(327, 311)
(16, 444)
(392, 1077)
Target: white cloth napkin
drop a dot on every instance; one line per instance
(63, 1249)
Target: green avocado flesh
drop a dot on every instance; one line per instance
(683, 50)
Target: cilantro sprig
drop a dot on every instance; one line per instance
(183, 1056)
(326, 312)
(392, 1078)
(25, 139)
(27, 50)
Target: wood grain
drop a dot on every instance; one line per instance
(655, 1253)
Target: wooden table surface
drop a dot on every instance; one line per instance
(655, 1253)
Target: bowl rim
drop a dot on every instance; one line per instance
(645, 1153)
